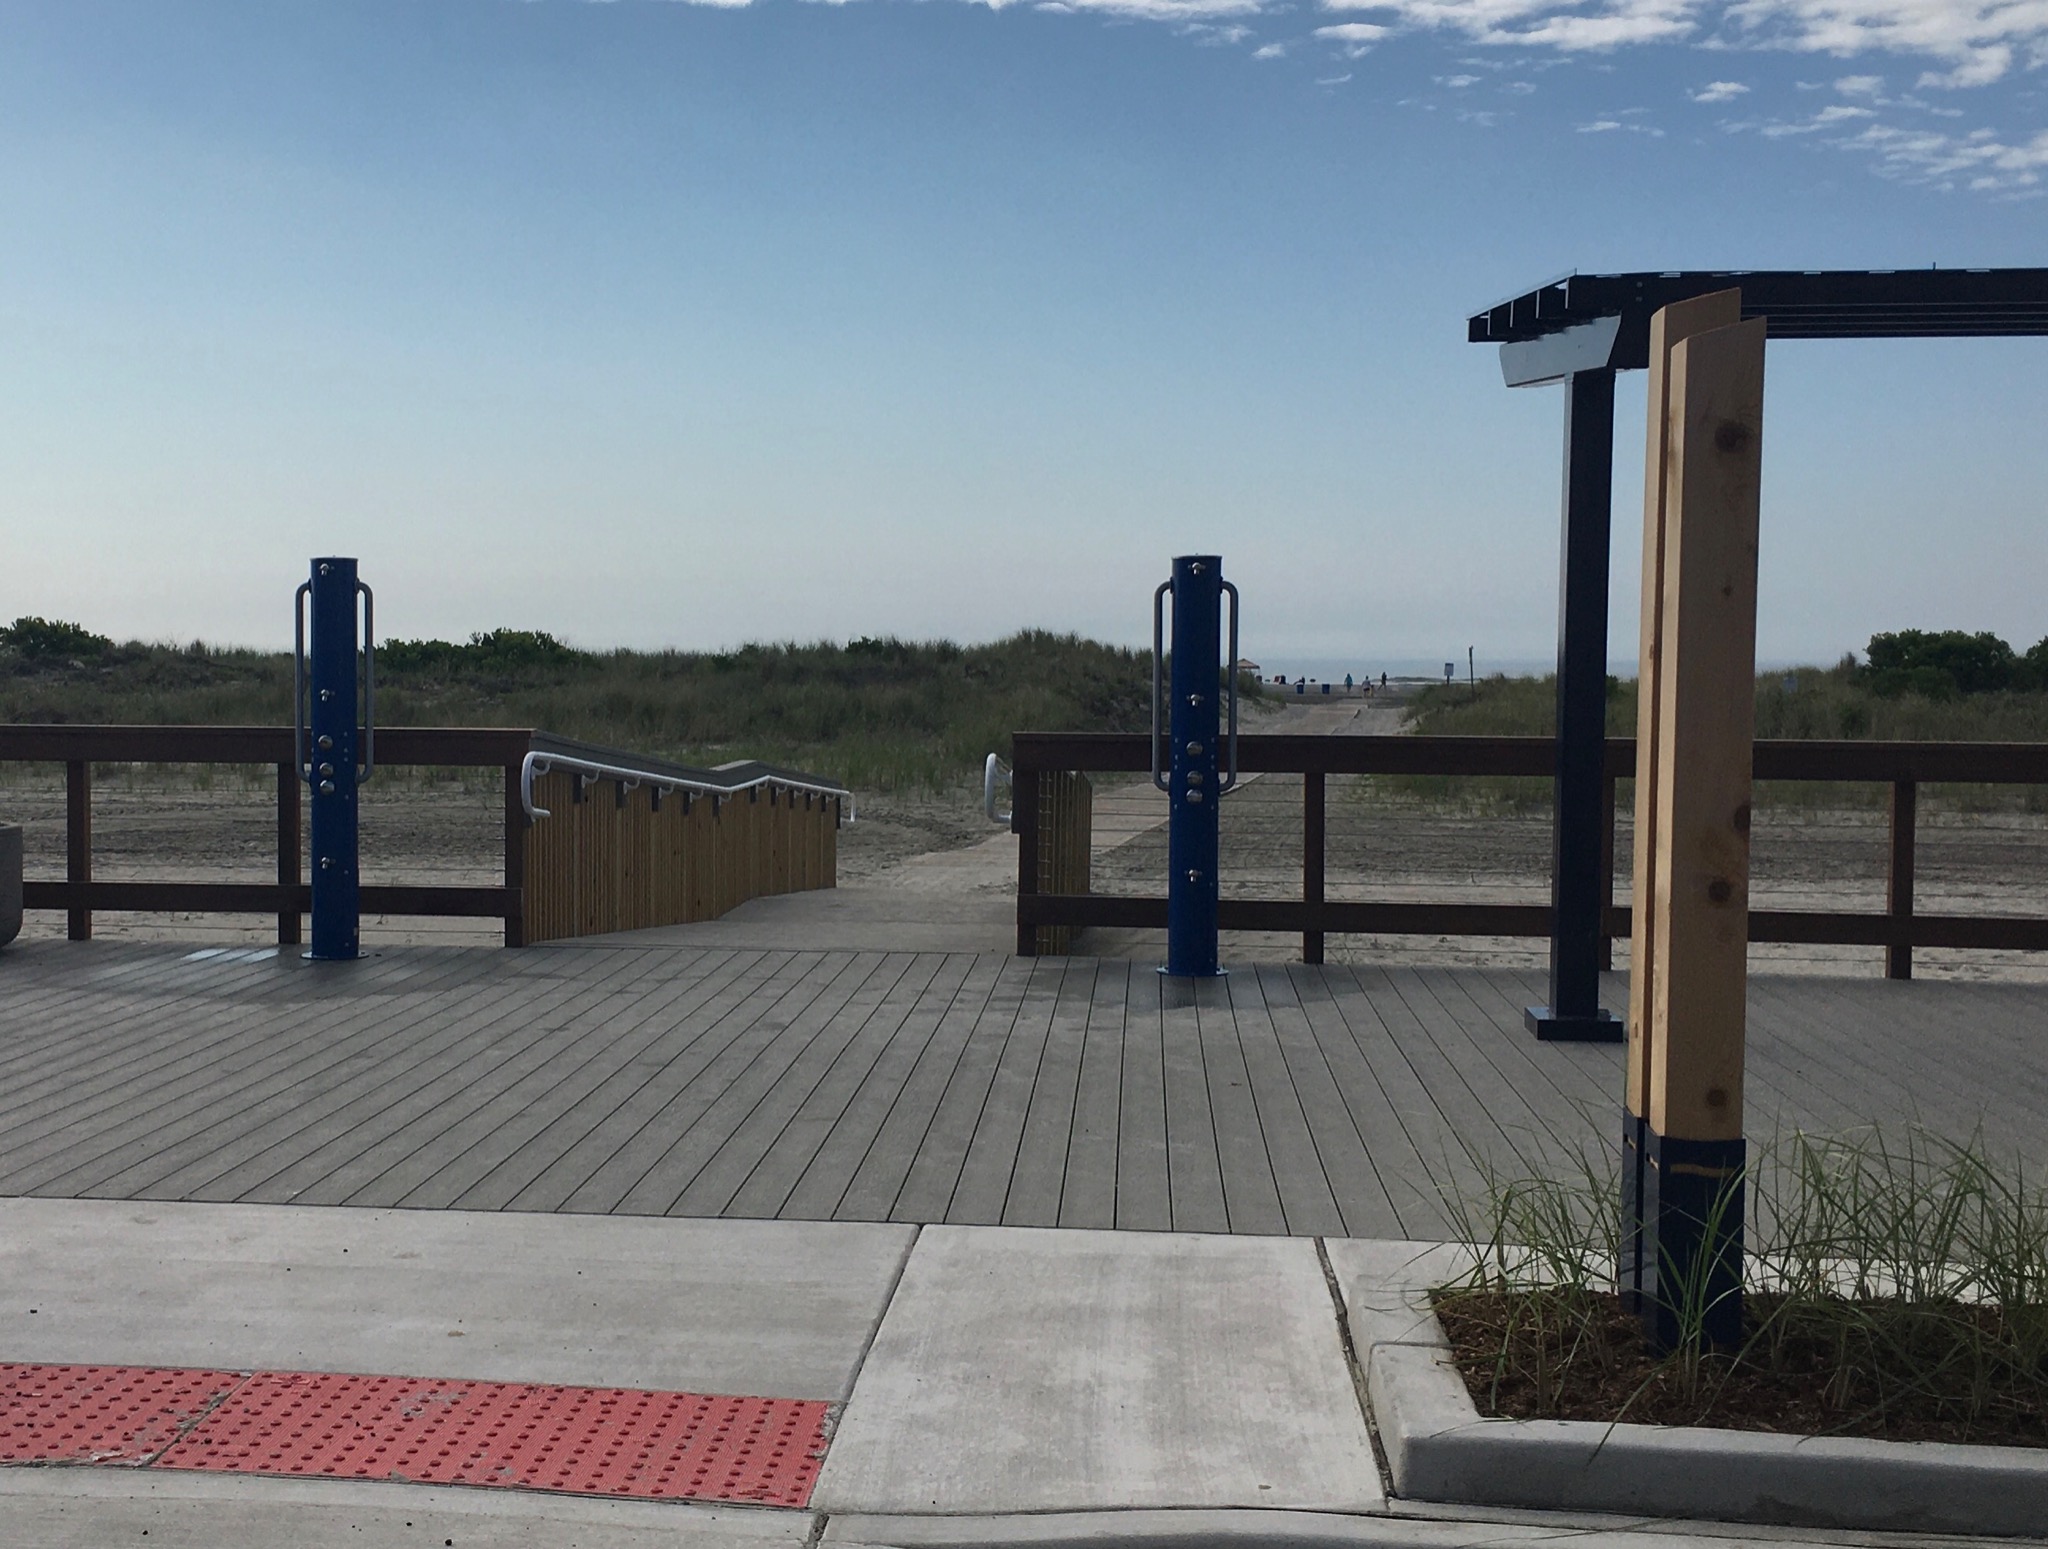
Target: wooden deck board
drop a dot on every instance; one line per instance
(820, 1190)
(1044, 1150)
(874, 1188)
(795, 1141)
(924, 1087)
(1351, 1171)
(738, 1137)
(1251, 1194)
(1089, 1171)
(1144, 1200)
(990, 1162)
(546, 1108)
(1194, 1171)
(1308, 1206)
(934, 1170)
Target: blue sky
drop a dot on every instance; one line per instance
(655, 323)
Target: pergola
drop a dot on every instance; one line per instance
(1580, 331)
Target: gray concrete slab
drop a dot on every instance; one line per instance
(1385, 1288)
(1026, 1369)
(76, 1508)
(779, 1309)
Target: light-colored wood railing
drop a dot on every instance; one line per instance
(1065, 818)
(614, 856)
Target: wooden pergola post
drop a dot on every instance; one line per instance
(1683, 1195)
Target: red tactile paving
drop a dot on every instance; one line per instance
(599, 1441)
(100, 1414)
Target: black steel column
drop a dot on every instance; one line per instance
(1576, 878)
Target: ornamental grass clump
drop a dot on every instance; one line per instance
(1893, 1288)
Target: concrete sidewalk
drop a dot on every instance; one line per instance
(995, 1385)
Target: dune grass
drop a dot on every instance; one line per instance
(1805, 703)
(1894, 1288)
(880, 714)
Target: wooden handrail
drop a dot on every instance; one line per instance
(1904, 766)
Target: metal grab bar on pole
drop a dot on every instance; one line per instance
(991, 773)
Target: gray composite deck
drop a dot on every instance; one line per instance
(896, 1086)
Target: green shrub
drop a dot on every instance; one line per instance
(52, 640)
(1939, 664)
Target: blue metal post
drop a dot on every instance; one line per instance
(1193, 786)
(331, 759)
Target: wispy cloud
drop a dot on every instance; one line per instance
(1355, 38)
(1975, 41)
(1146, 10)
(1981, 160)
(1556, 24)
(1720, 91)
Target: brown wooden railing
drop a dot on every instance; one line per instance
(588, 873)
(1904, 766)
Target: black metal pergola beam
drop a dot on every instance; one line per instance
(1591, 322)
(1580, 331)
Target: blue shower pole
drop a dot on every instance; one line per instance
(326, 742)
(1192, 772)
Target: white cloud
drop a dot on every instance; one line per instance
(1840, 113)
(1979, 160)
(1720, 91)
(1269, 51)
(1334, 80)
(1546, 23)
(1600, 126)
(1975, 41)
(1860, 85)
(1354, 37)
(1457, 82)
(1146, 10)
(1975, 38)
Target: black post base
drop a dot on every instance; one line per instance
(1682, 1212)
(1603, 1026)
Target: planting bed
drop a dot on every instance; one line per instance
(1887, 1371)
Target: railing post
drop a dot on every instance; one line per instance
(1024, 824)
(1578, 933)
(1312, 859)
(288, 851)
(78, 841)
(515, 859)
(1898, 893)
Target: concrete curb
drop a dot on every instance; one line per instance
(1292, 1530)
(1439, 1449)
(84, 1508)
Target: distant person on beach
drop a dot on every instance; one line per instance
(1347, 682)
(1383, 680)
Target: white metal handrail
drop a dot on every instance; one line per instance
(991, 773)
(539, 763)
